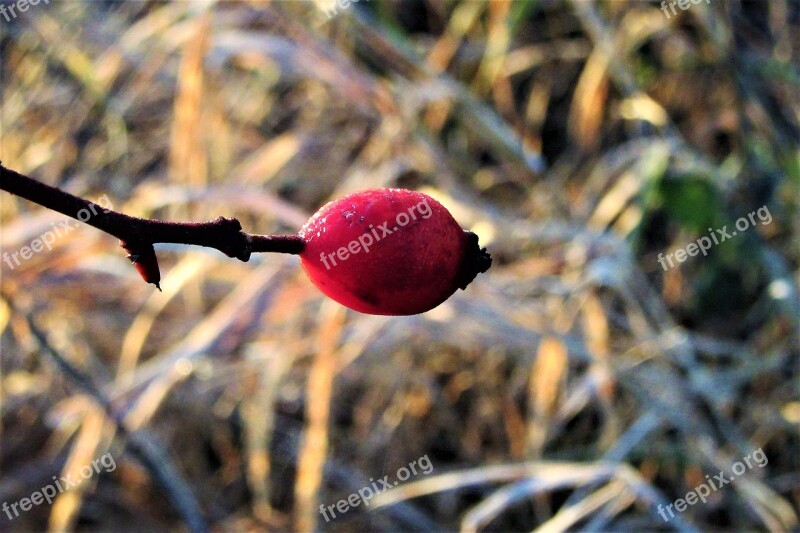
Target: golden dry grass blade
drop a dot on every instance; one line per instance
(187, 269)
(94, 436)
(566, 517)
(188, 158)
(160, 374)
(314, 447)
(548, 374)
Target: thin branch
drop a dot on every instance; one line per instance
(137, 235)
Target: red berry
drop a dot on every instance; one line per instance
(389, 252)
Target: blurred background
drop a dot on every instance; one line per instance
(577, 385)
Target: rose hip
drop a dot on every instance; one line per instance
(389, 252)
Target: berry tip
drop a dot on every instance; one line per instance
(476, 261)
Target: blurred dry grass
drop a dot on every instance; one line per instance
(574, 386)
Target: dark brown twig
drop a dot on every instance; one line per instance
(137, 235)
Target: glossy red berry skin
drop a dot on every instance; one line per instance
(388, 252)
